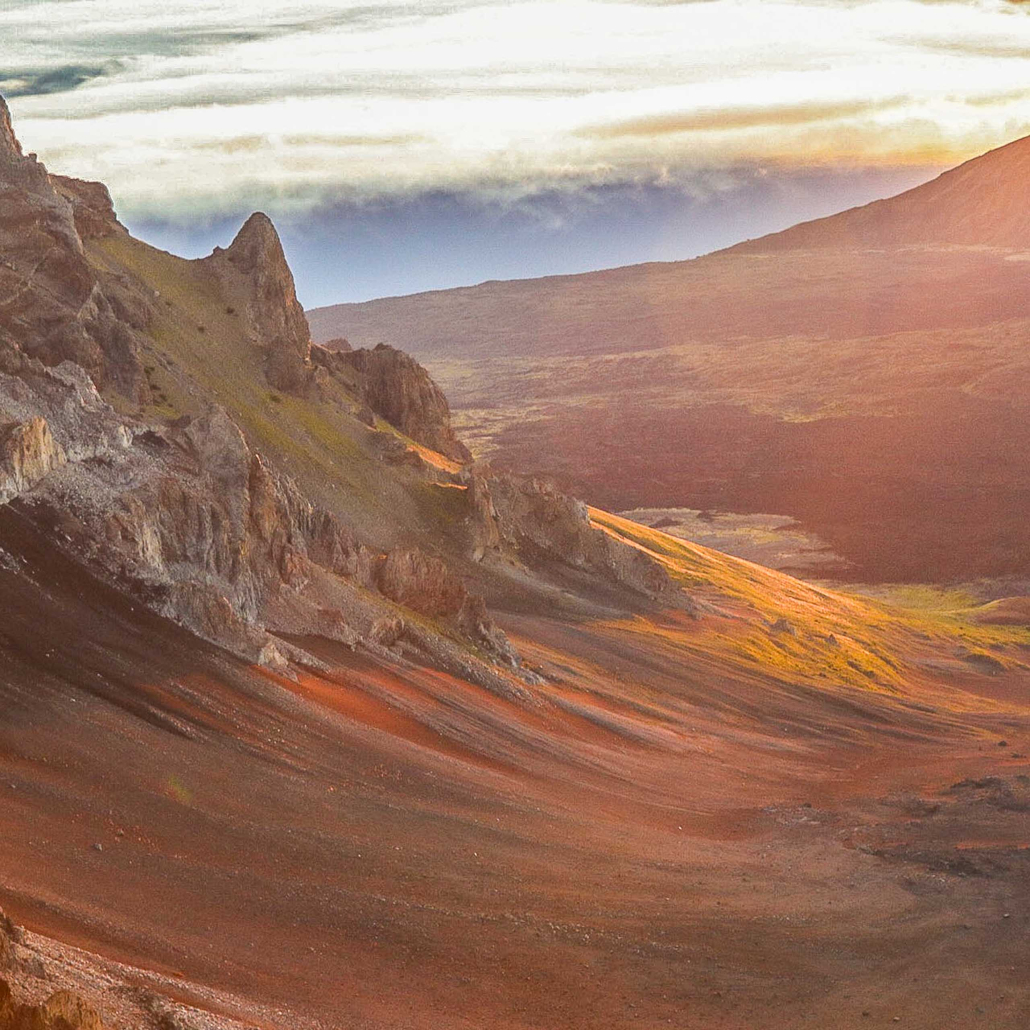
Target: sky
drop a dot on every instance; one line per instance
(418, 145)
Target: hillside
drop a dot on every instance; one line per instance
(859, 373)
(982, 203)
(308, 721)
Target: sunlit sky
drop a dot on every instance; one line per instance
(465, 128)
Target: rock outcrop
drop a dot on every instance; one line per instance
(45, 985)
(201, 528)
(92, 207)
(28, 452)
(9, 936)
(400, 391)
(51, 299)
(421, 583)
(542, 526)
(386, 382)
(254, 268)
(219, 540)
(426, 585)
(63, 1010)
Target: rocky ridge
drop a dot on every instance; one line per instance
(190, 516)
(57, 306)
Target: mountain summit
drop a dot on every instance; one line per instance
(984, 202)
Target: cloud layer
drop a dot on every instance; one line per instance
(214, 106)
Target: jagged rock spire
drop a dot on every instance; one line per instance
(256, 262)
(257, 245)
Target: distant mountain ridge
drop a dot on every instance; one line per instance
(984, 202)
(858, 372)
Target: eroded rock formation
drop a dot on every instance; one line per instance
(51, 299)
(254, 268)
(214, 537)
(400, 391)
(63, 1010)
(534, 520)
(28, 452)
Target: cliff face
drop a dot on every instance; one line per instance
(54, 303)
(398, 389)
(195, 523)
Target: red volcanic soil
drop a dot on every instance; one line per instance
(660, 841)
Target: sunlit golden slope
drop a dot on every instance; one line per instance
(784, 627)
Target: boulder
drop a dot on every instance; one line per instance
(28, 452)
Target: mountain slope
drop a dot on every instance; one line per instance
(984, 203)
(306, 724)
(859, 373)
(692, 816)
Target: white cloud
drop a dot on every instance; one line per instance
(211, 106)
